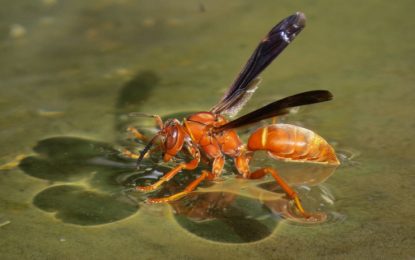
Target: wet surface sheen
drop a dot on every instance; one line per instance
(71, 72)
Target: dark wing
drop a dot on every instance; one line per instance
(268, 49)
(277, 108)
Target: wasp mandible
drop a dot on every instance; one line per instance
(211, 135)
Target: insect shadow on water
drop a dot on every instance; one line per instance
(86, 176)
(84, 173)
(132, 96)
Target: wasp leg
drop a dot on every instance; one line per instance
(242, 165)
(127, 153)
(191, 187)
(136, 133)
(217, 167)
(168, 176)
(287, 189)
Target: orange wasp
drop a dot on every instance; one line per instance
(210, 135)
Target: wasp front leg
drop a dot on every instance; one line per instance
(168, 176)
(136, 133)
(193, 151)
(217, 168)
(191, 187)
(127, 153)
(139, 135)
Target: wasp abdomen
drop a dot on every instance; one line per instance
(290, 142)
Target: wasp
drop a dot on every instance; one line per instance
(210, 135)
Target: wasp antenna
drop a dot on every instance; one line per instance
(159, 121)
(145, 150)
(138, 114)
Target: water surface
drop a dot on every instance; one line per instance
(71, 71)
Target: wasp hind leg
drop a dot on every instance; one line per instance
(287, 189)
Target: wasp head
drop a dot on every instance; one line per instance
(170, 139)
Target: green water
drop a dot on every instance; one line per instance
(71, 71)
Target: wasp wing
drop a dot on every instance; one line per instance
(268, 49)
(278, 108)
(235, 104)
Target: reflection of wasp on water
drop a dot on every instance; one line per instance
(222, 200)
(210, 135)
